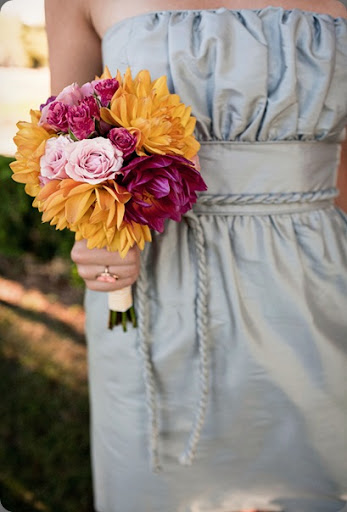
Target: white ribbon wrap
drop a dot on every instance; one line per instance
(120, 300)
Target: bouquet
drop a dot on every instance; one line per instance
(110, 160)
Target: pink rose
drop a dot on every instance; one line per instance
(91, 103)
(70, 95)
(93, 161)
(123, 140)
(87, 89)
(106, 89)
(80, 121)
(55, 114)
(52, 163)
(49, 100)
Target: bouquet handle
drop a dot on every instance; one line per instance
(121, 309)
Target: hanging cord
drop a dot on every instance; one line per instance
(148, 372)
(188, 455)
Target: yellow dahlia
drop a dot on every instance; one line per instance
(30, 141)
(162, 123)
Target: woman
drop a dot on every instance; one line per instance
(242, 304)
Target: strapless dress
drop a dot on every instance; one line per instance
(231, 394)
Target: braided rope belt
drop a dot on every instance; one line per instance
(206, 201)
(280, 198)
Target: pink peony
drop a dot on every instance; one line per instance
(162, 187)
(123, 140)
(52, 163)
(93, 161)
(106, 89)
(81, 124)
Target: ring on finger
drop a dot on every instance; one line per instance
(106, 276)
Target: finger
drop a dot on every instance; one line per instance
(100, 286)
(80, 254)
(91, 272)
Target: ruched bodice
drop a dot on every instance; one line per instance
(237, 366)
(249, 75)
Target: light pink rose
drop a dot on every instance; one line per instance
(70, 95)
(93, 160)
(87, 89)
(52, 163)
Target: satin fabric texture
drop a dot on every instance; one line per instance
(266, 87)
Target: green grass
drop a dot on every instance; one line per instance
(44, 433)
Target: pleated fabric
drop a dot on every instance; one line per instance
(239, 365)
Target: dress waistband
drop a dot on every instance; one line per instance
(261, 177)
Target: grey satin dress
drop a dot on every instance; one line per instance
(231, 394)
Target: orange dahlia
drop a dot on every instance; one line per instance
(162, 123)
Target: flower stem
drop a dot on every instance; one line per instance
(122, 318)
(133, 316)
(124, 321)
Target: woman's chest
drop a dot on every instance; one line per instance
(112, 11)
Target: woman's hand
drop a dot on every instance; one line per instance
(92, 262)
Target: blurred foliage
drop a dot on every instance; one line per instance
(35, 43)
(21, 228)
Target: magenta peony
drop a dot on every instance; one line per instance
(93, 160)
(123, 140)
(162, 187)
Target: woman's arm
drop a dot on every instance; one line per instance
(75, 56)
(341, 201)
(74, 46)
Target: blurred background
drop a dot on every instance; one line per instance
(44, 436)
